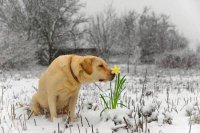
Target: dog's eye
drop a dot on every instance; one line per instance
(100, 65)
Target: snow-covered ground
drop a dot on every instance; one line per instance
(168, 105)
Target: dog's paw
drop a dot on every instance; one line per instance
(55, 119)
(50, 119)
(36, 113)
(74, 119)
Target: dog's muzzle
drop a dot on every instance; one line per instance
(112, 77)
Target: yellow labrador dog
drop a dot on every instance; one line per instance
(59, 85)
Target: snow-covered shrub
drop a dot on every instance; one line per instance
(148, 93)
(121, 119)
(168, 118)
(189, 109)
(149, 111)
(16, 51)
(114, 115)
(130, 119)
(193, 111)
(178, 59)
(196, 117)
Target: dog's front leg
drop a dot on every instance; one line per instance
(52, 99)
(72, 106)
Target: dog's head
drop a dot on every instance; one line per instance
(94, 69)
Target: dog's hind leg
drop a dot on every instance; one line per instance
(35, 106)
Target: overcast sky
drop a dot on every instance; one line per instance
(183, 13)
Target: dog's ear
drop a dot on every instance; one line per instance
(86, 65)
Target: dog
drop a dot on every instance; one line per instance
(59, 85)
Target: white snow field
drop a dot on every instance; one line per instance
(169, 104)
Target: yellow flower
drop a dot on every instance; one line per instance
(115, 69)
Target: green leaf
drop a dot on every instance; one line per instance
(123, 89)
(102, 111)
(123, 105)
(111, 95)
(114, 95)
(102, 97)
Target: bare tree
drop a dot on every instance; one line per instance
(53, 22)
(130, 37)
(102, 31)
(157, 35)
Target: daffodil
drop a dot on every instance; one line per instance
(115, 69)
(112, 101)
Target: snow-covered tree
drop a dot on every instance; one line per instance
(130, 37)
(51, 22)
(103, 31)
(157, 35)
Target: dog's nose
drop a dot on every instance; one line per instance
(112, 76)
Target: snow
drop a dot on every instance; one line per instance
(165, 113)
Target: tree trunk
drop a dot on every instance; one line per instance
(128, 63)
(50, 52)
(135, 69)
